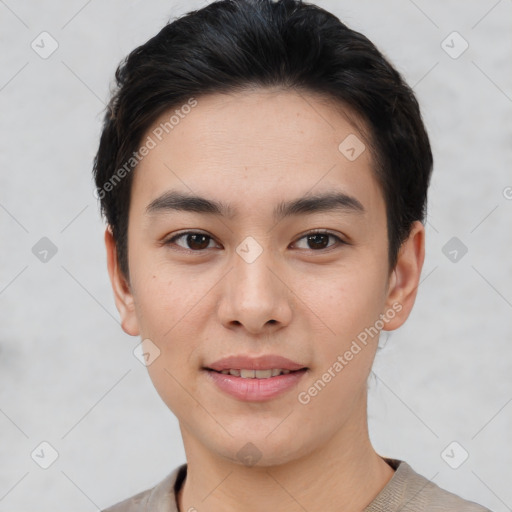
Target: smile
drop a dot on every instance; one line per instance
(255, 374)
(255, 385)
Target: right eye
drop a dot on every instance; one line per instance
(194, 241)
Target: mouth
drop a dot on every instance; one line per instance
(256, 374)
(255, 378)
(249, 385)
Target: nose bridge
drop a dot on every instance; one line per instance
(252, 267)
(254, 296)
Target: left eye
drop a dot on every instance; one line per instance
(319, 240)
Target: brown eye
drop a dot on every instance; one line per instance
(193, 241)
(317, 241)
(197, 241)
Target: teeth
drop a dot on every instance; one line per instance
(263, 374)
(256, 374)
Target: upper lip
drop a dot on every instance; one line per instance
(245, 362)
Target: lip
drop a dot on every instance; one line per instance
(265, 362)
(255, 390)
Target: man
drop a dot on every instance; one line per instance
(263, 170)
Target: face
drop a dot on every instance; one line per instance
(257, 270)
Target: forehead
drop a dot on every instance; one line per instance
(249, 147)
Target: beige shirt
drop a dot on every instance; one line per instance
(407, 491)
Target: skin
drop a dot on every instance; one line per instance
(296, 300)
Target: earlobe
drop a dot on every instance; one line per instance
(122, 292)
(405, 278)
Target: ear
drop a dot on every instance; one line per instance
(405, 278)
(122, 291)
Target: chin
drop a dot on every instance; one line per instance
(259, 449)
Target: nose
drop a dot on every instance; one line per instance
(255, 296)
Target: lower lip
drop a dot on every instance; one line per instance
(255, 390)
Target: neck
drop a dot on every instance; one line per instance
(346, 470)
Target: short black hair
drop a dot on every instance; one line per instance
(232, 45)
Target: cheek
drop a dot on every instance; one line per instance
(163, 294)
(346, 301)
(165, 308)
(350, 307)
(167, 311)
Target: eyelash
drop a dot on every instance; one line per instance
(339, 241)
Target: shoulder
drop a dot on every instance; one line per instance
(160, 497)
(410, 491)
(136, 503)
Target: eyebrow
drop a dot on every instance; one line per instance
(173, 200)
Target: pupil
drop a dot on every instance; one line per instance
(193, 239)
(315, 239)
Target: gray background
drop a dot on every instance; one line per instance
(67, 372)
